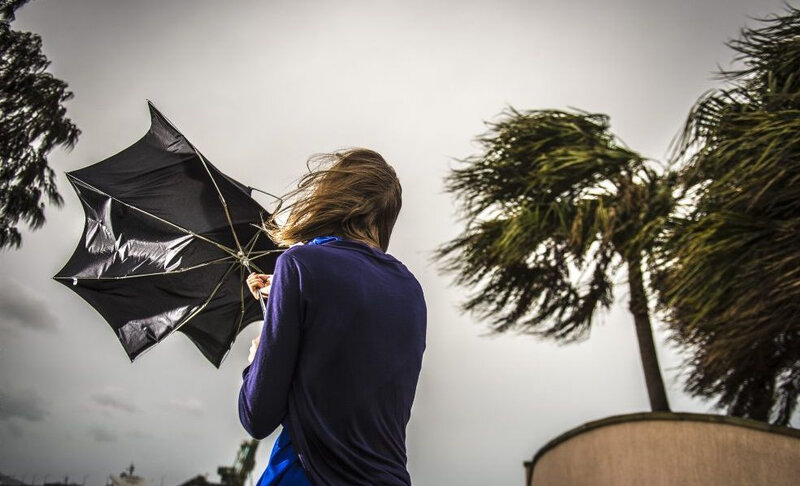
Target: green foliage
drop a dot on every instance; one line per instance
(549, 203)
(729, 275)
(32, 122)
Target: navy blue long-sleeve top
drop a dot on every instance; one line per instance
(338, 362)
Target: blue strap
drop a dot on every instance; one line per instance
(323, 239)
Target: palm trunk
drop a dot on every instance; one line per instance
(644, 333)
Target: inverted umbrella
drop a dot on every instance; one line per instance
(167, 243)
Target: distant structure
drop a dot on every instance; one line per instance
(126, 478)
(9, 481)
(665, 449)
(6, 480)
(235, 475)
(65, 482)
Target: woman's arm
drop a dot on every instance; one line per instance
(264, 392)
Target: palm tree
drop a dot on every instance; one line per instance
(553, 206)
(729, 274)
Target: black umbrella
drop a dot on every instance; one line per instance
(167, 244)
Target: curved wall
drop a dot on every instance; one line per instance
(657, 449)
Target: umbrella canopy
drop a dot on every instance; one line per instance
(167, 244)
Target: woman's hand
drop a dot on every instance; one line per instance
(253, 349)
(259, 283)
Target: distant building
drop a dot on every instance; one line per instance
(666, 449)
(235, 475)
(6, 480)
(126, 478)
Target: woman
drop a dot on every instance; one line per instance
(339, 355)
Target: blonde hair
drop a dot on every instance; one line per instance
(344, 194)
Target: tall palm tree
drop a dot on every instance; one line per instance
(729, 274)
(553, 206)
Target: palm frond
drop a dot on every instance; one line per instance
(551, 196)
(728, 274)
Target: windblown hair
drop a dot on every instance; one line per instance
(344, 194)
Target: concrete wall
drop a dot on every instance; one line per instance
(670, 449)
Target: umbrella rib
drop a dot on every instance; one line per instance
(250, 252)
(246, 263)
(152, 274)
(257, 254)
(265, 192)
(241, 301)
(263, 252)
(251, 244)
(210, 296)
(219, 193)
(190, 232)
(221, 199)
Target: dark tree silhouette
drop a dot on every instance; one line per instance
(32, 122)
(729, 276)
(553, 206)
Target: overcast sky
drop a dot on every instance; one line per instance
(259, 86)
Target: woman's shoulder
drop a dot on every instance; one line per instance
(303, 254)
(338, 252)
(294, 252)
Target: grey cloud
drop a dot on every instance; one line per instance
(101, 434)
(24, 404)
(192, 406)
(7, 332)
(138, 434)
(114, 398)
(19, 306)
(14, 428)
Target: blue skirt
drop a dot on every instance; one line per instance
(284, 468)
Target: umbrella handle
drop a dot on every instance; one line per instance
(260, 295)
(263, 305)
